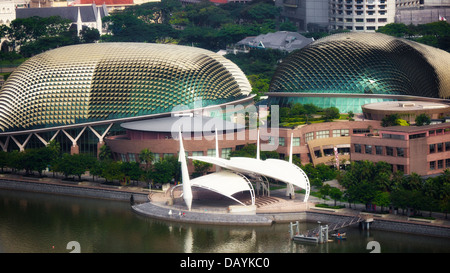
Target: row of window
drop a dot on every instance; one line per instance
(380, 150)
(157, 157)
(439, 147)
(439, 164)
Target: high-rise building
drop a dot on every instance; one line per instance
(307, 15)
(418, 12)
(361, 15)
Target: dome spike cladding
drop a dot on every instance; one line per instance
(372, 63)
(91, 82)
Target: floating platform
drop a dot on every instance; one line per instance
(305, 239)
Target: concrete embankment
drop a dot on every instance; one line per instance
(74, 189)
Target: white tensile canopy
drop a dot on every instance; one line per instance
(224, 182)
(231, 181)
(280, 170)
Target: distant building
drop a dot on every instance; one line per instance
(307, 15)
(111, 5)
(7, 12)
(421, 12)
(83, 16)
(281, 40)
(360, 15)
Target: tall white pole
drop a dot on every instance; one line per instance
(187, 190)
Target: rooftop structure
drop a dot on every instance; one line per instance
(348, 70)
(82, 86)
(281, 40)
(407, 110)
(106, 81)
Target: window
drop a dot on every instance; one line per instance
(155, 158)
(131, 157)
(379, 150)
(357, 148)
(440, 147)
(393, 136)
(340, 132)
(167, 155)
(226, 153)
(123, 157)
(296, 141)
(401, 168)
(417, 136)
(211, 152)
(389, 151)
(447, 146)
(197, 153)
(432, 165)
(432, 148)
(401, 152)
(368, 149)
(281, 141)
(323, 134)
(361, 131)
(440, 164)
(447, 163)
(309, 136)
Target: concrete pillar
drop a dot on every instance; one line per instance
(99, 146)
(74, 149)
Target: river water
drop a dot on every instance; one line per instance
(45, 223)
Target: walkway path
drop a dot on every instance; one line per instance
(161, 211)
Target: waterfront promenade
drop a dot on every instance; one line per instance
(284, 210)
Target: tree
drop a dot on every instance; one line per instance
(390, 120)
(105, 153)
(200, 168)
(112, 170)
(331, 113)
(324, 191)
(395, 29)
(310, 109)
(89, 35)
(131, 170)
(382, 199)
(336, 194)
(146, 157)
(423, 119)
(288, 26)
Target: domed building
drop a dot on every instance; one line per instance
(349, 70)
(77, 87)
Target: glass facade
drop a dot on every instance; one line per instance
(360, 64)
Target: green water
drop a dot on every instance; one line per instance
(44, 223)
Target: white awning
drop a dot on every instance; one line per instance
(224, 182)
(280, 170)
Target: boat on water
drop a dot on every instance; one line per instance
(339, 236)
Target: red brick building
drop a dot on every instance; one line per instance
(424, 150)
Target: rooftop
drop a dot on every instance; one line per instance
(282, 40)
(405, 106)
(412, 129)
(187, 123)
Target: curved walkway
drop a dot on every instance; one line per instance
(159, 211)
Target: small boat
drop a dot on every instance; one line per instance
(339, 236)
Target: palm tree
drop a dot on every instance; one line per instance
(146, 157)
